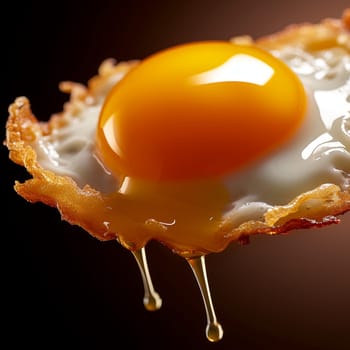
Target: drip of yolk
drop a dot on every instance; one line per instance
(174, 124)
(199, 111)
(185, 216)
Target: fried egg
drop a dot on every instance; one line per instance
(199, 145)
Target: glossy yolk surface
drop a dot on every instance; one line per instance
(198, 111)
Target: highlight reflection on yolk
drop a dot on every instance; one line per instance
(199, 110)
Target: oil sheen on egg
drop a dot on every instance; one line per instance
(205, 128)
(202, 130)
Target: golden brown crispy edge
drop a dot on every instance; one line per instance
(76, 205)
(80, 206)
(308, 36)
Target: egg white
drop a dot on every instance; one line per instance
(318, 154)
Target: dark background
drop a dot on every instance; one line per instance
(63, 289)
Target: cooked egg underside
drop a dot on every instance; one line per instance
(60, 157)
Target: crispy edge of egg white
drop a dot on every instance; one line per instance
(81, 206)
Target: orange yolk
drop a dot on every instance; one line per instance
(199, 111)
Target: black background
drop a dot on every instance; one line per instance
(63, 289)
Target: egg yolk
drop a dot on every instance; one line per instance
(199, 110)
